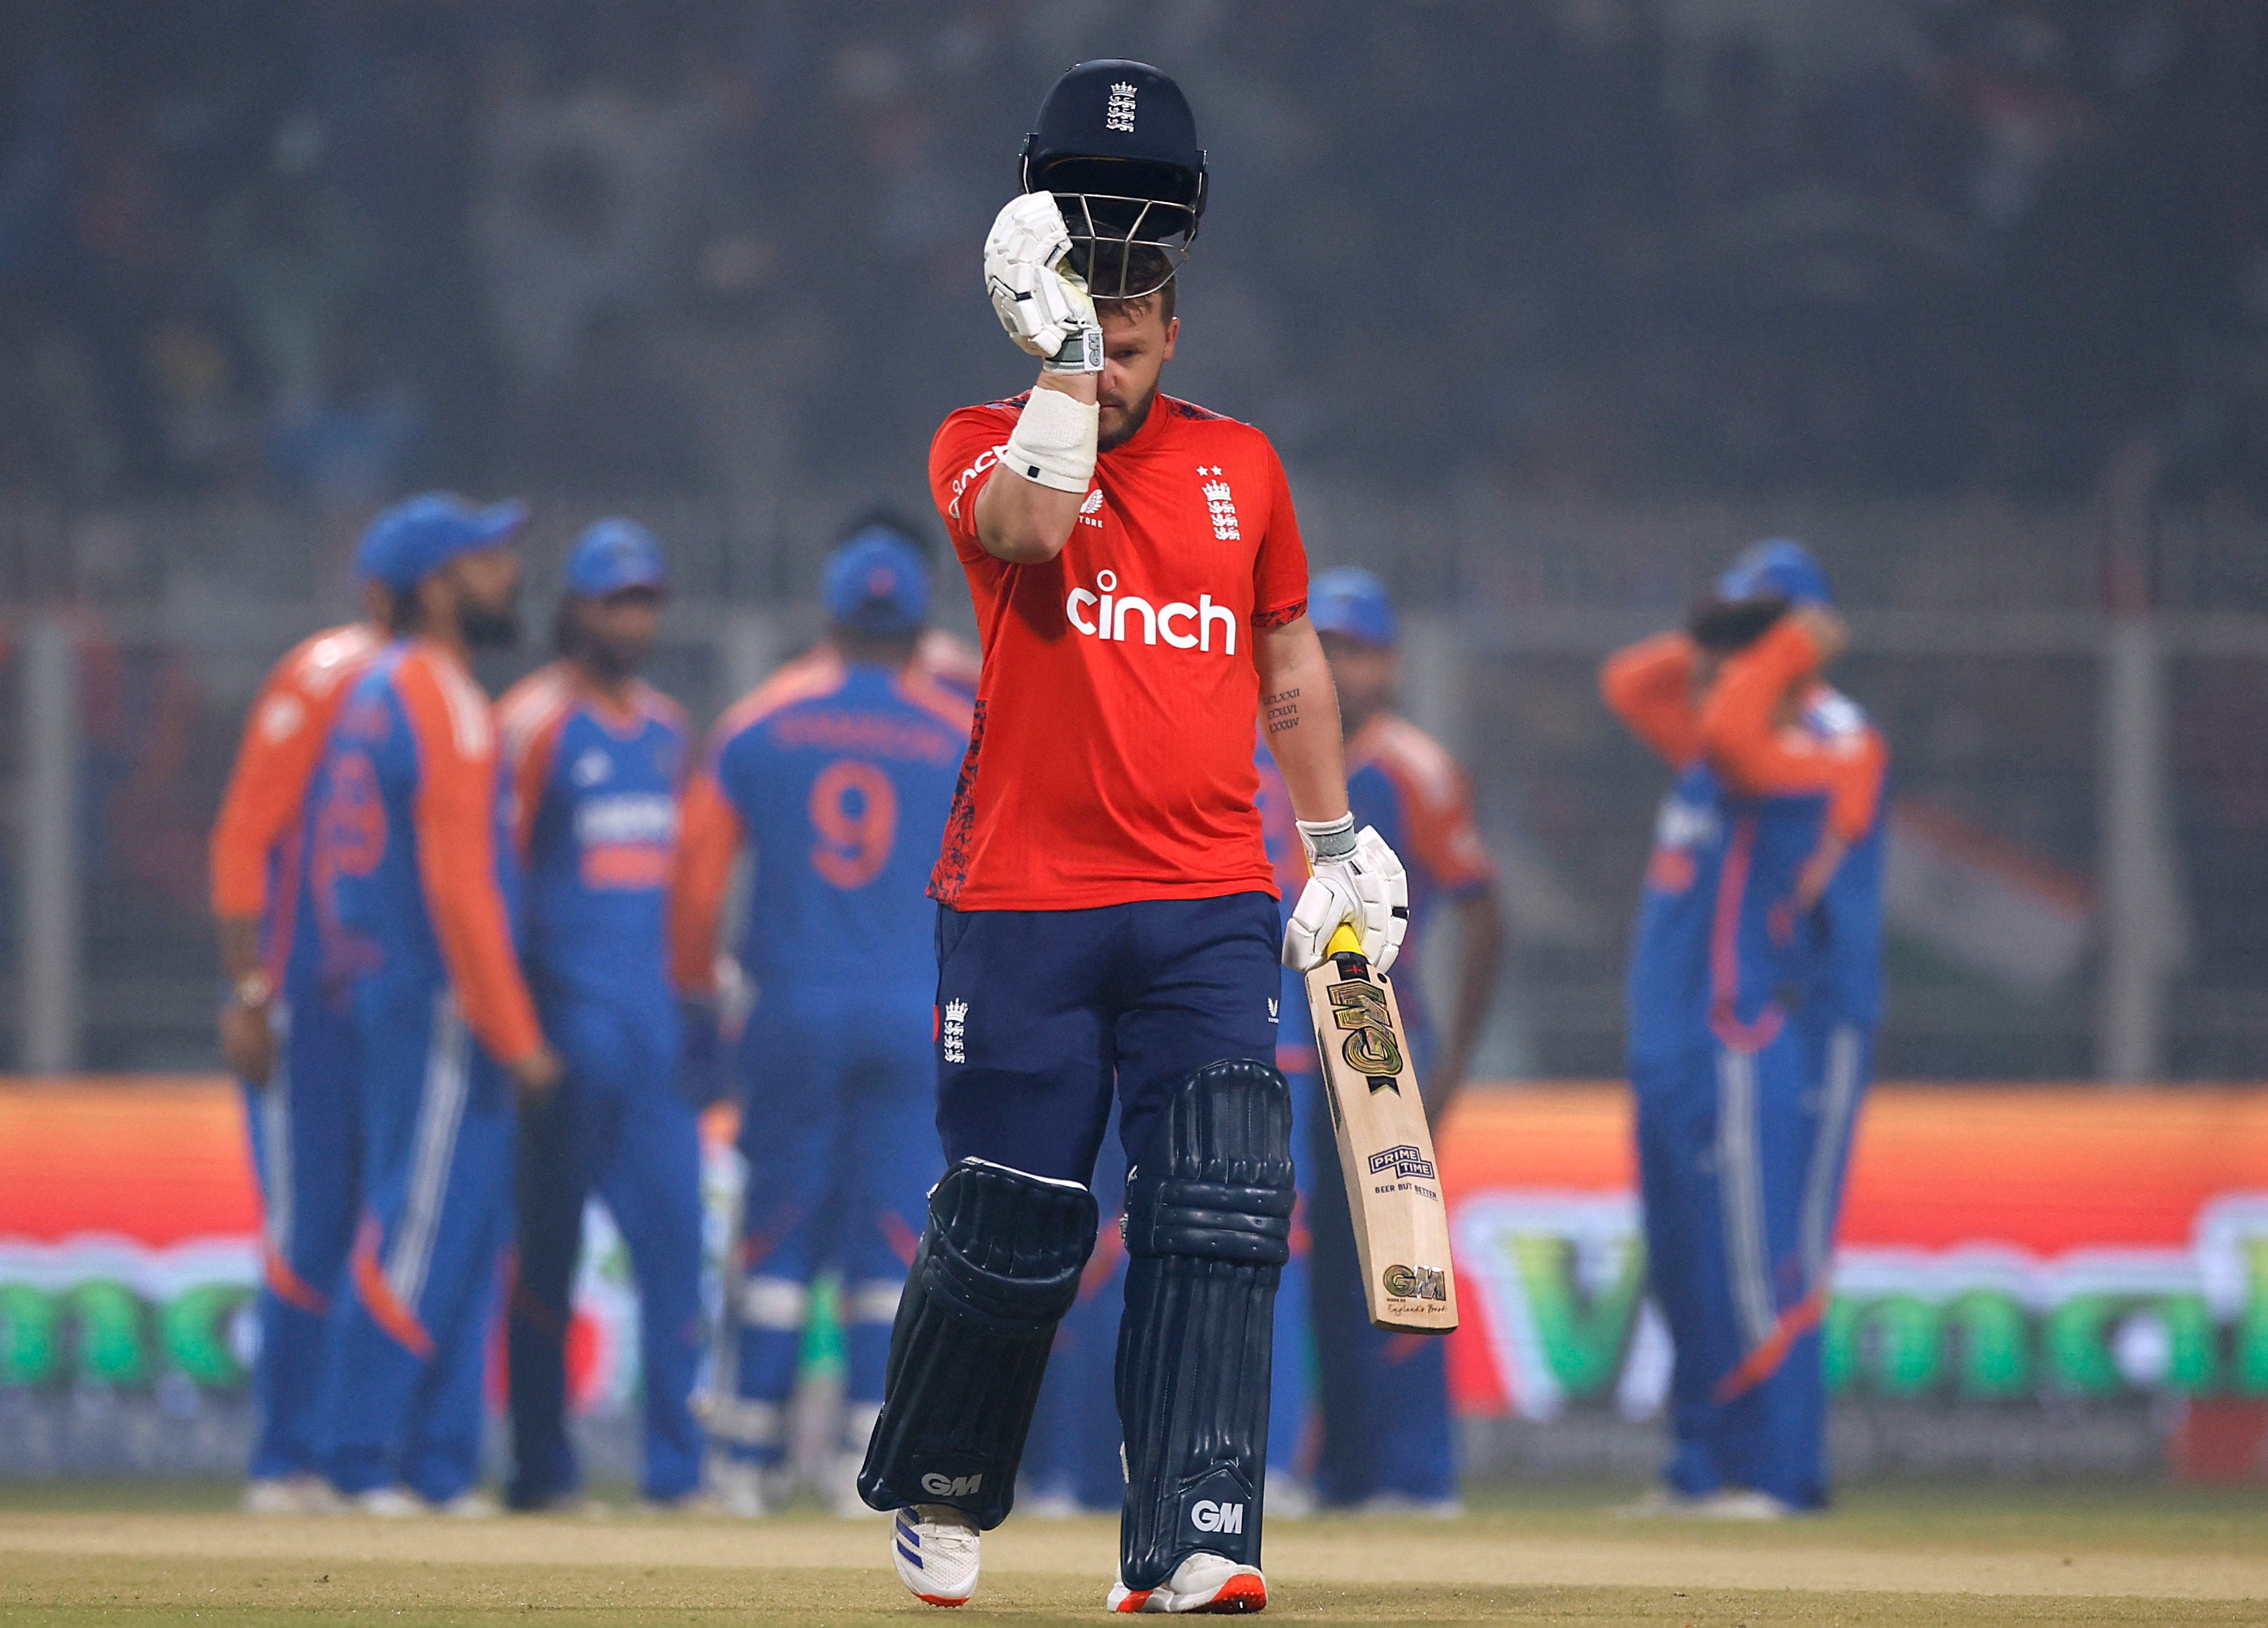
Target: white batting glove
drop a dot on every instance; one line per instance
(1355, 878)
(1042, 303)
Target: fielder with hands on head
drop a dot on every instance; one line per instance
(1107, 917)
(1754, 990)
(596, 757)
(409, 857)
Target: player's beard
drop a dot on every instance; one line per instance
(490, 627)
(1130, 424)
(613, 660)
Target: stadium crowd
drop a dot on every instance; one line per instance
(325, 251)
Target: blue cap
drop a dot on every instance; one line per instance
(1777, 566)
(373, 555)
(1353, 603)
(419, 535)
(614, 554)
(877, 581)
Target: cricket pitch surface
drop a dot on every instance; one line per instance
(72, 1553)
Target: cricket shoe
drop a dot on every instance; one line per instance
(469, 1506)
(1743, 1503)
(1210, 1584)
(388, 1503)
(934, 1547)
(283, 1495)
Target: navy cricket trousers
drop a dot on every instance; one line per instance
(1042, 1013)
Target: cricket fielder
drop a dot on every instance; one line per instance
(595, 757)
(286, 1030)
(1753, 977)
(1387, 1434)
(837, 775)
(938, 654)
(407, 845)
(1108, 916)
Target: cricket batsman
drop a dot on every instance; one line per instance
(1754, 988)
(1387, 1441)
(407, 846)
(1108, 916)
(595, 756)
(837, 775)
(286, 1030)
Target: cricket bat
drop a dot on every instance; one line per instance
(1386, 1152)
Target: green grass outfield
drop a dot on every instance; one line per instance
(81, 1552)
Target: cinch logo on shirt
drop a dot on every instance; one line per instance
(1113, 611)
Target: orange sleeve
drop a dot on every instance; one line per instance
(455, 817)
(708, 838)
(531, 777)
(961, 459)
(1438, 822)
(1650, 686)
(283, 739)
(1740, 733)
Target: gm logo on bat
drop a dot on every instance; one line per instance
(1403, 1161)
(1416, 1282)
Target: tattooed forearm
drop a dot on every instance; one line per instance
(1280, 711)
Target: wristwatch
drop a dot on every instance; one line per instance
(254, 989)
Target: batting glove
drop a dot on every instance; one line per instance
(1355, 878)
(1042, 303)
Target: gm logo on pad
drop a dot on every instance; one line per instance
(951, 1487)
(1403, 1161)
(1208, 1515)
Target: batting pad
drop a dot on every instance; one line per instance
(998, 1267)
(1208, 1229)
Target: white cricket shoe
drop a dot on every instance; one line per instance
(469, 1506)
(1743, 1503)
(935, 1549)
(1208, 1583)
(282, 1495)
(388, 1503)
(1656, 1502)
(739, 1487)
